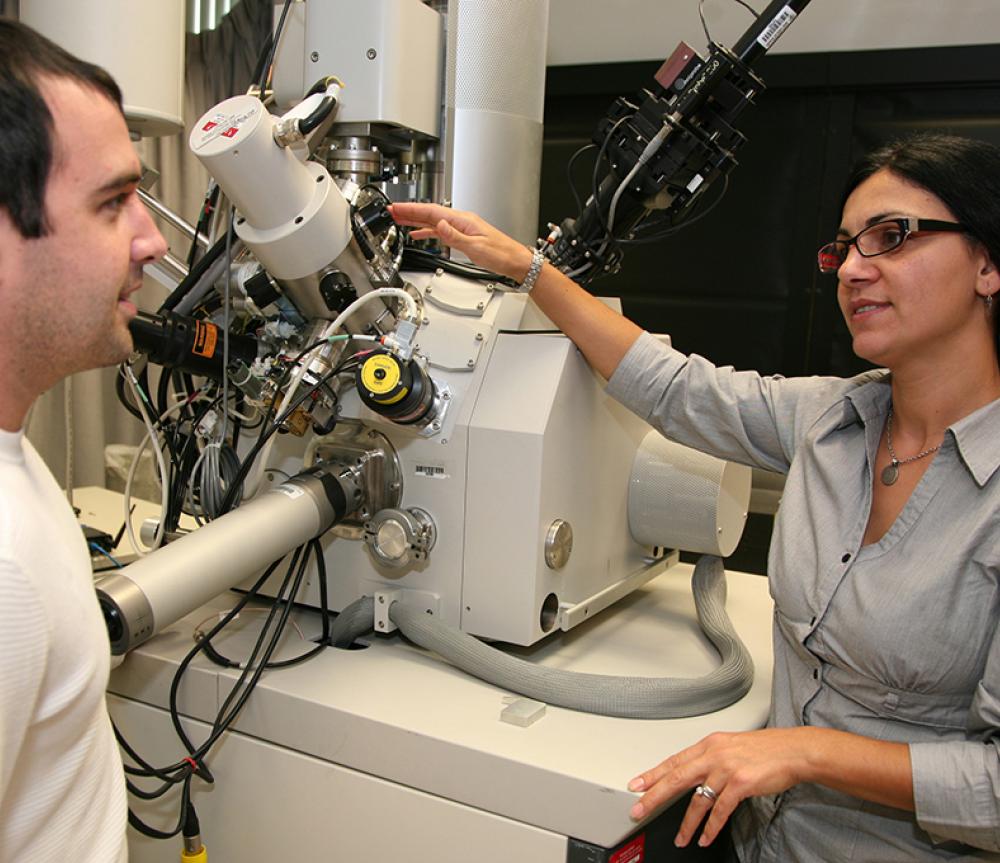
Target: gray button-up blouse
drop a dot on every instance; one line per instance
(896, 640)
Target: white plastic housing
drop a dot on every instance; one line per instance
(388, 53)
(495, 97)
(290, 214)
(681, 498)
(140, 44)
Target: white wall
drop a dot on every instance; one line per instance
(611, 31)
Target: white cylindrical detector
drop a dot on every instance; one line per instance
(681, 498)
(494, 99)
(140, 44)
(290, 214)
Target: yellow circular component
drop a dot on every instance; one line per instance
(380, 374)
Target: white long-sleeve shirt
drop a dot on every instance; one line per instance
(62, 790)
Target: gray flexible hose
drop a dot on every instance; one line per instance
(353, 622)
(627, 697)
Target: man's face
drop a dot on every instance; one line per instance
(67, 292)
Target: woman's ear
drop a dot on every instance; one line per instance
(988, 282)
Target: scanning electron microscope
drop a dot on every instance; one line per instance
(366, 426)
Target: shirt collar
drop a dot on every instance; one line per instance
(978, 442)
(975, 435)
(869, 399)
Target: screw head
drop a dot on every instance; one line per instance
(371, 53)
(314, 56)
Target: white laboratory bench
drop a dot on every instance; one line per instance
(388, 753)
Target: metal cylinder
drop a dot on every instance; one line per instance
(159, 589)
(140, 44)
(494, 100)
(681, 498)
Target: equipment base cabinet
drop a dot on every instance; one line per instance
(388, 753)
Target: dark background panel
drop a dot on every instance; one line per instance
(740, 286)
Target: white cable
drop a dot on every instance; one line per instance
(253, 481)
(161, 464)
(647, 154)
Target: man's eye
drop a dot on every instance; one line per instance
(117, 202)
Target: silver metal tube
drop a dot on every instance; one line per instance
(176, 264)
(159, 589)
(171, 218)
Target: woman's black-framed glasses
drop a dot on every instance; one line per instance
(878, 239)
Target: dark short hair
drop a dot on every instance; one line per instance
(964, 173)
(26, 125)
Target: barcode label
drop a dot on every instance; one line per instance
(429, 470)
(773, 30)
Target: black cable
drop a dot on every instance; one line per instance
(262, 57)
(204, 217)
(188, 765)
(314, 549)
(639, 241)
(422, 260)
(123, 396)
(595, 190)
(262, 85)
(222, 723)
(293, 573)
(138, 824)
(606, 237)
(308, 124)
(704, 25)
(193, 277)
(268, 430)
(569, 174)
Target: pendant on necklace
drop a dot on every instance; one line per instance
(890, 473)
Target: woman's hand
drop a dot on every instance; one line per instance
(734, 767)
(770, 761)
(603, 335)
(474, 237)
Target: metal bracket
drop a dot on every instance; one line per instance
(384, 599)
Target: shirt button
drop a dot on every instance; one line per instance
(845, 558)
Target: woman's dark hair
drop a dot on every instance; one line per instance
(963, 172)
(26, 127)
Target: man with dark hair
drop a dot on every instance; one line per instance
(73, 241)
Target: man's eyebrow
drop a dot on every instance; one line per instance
(121, 181)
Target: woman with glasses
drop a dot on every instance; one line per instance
(884, 564)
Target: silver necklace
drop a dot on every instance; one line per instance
(890, 473)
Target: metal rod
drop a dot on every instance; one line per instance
(172, 218)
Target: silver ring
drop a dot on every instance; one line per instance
(705, 791)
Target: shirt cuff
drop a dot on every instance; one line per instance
(955, 792)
